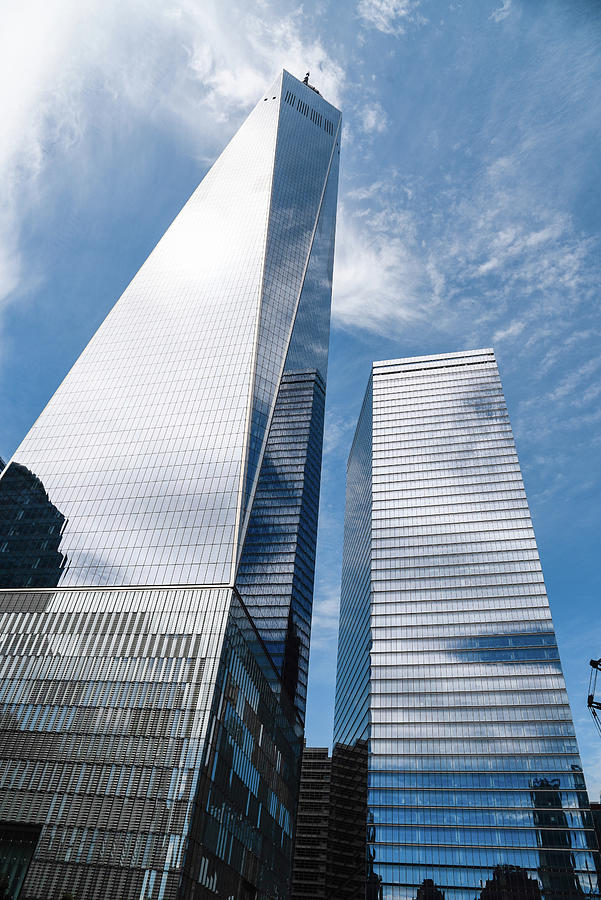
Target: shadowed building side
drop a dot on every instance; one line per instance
(311, 861)
(276, 572)
(330, 853)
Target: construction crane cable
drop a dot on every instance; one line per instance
(592, 703)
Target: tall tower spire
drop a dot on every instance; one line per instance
(167, 713)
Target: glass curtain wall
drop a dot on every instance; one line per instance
(145, 738)
(475, 782)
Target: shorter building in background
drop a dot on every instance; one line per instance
(509, 882)
(312, 826)
(330, 847)
(348, 876)
(448, 668)
(428, 891)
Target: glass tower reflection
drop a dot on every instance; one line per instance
(447, 659)
(154, 614)
(31, 530)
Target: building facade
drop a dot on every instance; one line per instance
(330, 847)
(153, 665)
(310, 869)
(447, 658)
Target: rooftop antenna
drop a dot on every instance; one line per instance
(306, 81)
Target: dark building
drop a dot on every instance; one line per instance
(349, 866)
(309, 873)
(428, 891)
(596, 813)
(557, 863)
(31, 530)
(511, 883)
(330, 858)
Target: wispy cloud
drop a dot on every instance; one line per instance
(324, 627)
(32, 50)
(573, 381)
(337, 432)
(501, 253)
(367, 191)
(373, 118)
(516, 327)
(497, 15)
(389, 16)
(68, 70)
(380, 282)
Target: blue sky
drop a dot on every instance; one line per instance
(469, 216)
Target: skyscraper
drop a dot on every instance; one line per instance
(447, 659)
(311, 865)
(329, 847)
(157, 537)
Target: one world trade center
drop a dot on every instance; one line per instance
(157, 546)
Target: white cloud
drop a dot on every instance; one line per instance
(373, 118)
(497, 15)
(500, 260)
(182, 67)
(389, 16)
(523, 262)
(35, 38)
(366, 192)
(324, 625)
(558, 351)
(511, 331)
(380, 282)
(574, 379)
(562, 401)
(337, 432)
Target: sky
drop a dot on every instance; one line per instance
(469, 216)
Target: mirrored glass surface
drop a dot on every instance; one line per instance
(150, 726)
(276, 572)
(447, 656)
(147, 454)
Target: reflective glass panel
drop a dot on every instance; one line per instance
(474, 786)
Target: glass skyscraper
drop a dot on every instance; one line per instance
(447, 658)
(157, 541)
